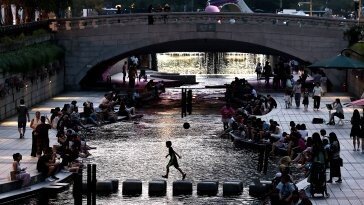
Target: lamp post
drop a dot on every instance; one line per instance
(310, 3)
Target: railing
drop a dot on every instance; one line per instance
(26, 28)
(199, 17)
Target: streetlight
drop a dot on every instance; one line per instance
(306, 2)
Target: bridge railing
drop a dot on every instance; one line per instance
(199, 17)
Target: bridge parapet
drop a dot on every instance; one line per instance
(196, 17)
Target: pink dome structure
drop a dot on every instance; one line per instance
(212, 9)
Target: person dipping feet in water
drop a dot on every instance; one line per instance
(173, 160)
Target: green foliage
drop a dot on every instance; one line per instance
(29, 58)
(6, 40)
(354, 34)
(39, 32)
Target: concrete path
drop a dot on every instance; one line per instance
(351, 191)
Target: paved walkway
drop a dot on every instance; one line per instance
(351, 191)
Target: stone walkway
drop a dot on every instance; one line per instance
(351, 191)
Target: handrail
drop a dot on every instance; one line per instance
(199, 17)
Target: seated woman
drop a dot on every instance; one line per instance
(20, 173)
(126, 111)
(339, 112)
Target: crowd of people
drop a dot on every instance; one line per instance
(311, 155)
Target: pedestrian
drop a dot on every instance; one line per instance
(23, 114)
(227, 112)
(267, 73)
(335, 160)
(317, 93)
(305, 101)
(173, 160)
(33, 124)
(355, 129)
(124, 70)
(258, 70)
(297, 89)
(41, 132)
(20, 173)
(150, 17)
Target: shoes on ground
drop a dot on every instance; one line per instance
(165, 176)
(338, 181)
(358, 149)
(184, 176)
(49, 179)
(329, 181)
(54, 177)
(21, 136)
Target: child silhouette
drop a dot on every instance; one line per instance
(173, 160)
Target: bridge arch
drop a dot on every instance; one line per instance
(89, 41)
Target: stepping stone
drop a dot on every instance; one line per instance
(157, 187)
(182, 187)
(232, 187)
(132, 187)
(209, 188)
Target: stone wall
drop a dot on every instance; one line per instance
(33, 90)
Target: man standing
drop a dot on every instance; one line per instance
(41, 131)
(125, 68)
(23, 114)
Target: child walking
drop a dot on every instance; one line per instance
(173, 160)
(287, 98)
(305, 101)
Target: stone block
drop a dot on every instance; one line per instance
(209, 188)
(104, 187)
(182, 187)
(232, 187)
(115, 185)
(157, 187)
(259, 190)
(132, 187)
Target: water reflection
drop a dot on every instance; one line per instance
(209, 63)
(137, 150)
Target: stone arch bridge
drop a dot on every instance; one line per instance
(93, 40)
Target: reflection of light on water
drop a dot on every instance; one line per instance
(203, 63)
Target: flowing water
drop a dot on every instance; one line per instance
(128, 150)
(136, 149)
(209, 63)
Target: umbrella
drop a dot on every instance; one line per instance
(338, 62)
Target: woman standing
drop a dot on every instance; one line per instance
(33, 124)
(317, 93)
(258, 70)
(20, 173)
(305, 101)
(297, 93)
(335, 160)
(355, 129)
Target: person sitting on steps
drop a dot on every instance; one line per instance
(47, 165)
